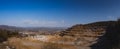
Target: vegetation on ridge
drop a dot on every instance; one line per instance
(5, 34)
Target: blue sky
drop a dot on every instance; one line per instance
(57, 13)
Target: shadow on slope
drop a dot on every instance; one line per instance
(111, 39)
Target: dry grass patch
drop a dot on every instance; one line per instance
(32, 44)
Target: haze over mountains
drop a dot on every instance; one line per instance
(34, 29)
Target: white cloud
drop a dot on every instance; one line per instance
(43, 23)
(112, 17)
(36, 23)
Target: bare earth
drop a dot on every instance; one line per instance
(35, 44)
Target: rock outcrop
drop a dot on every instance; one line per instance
(89, 34)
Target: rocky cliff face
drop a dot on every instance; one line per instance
(88, 34)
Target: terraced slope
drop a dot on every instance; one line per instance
(87, 34)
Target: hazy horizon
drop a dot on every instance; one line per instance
(57, 13)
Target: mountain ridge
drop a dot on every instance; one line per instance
(36, 29)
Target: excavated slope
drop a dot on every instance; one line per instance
(87, 34)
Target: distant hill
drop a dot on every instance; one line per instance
(33, 29)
